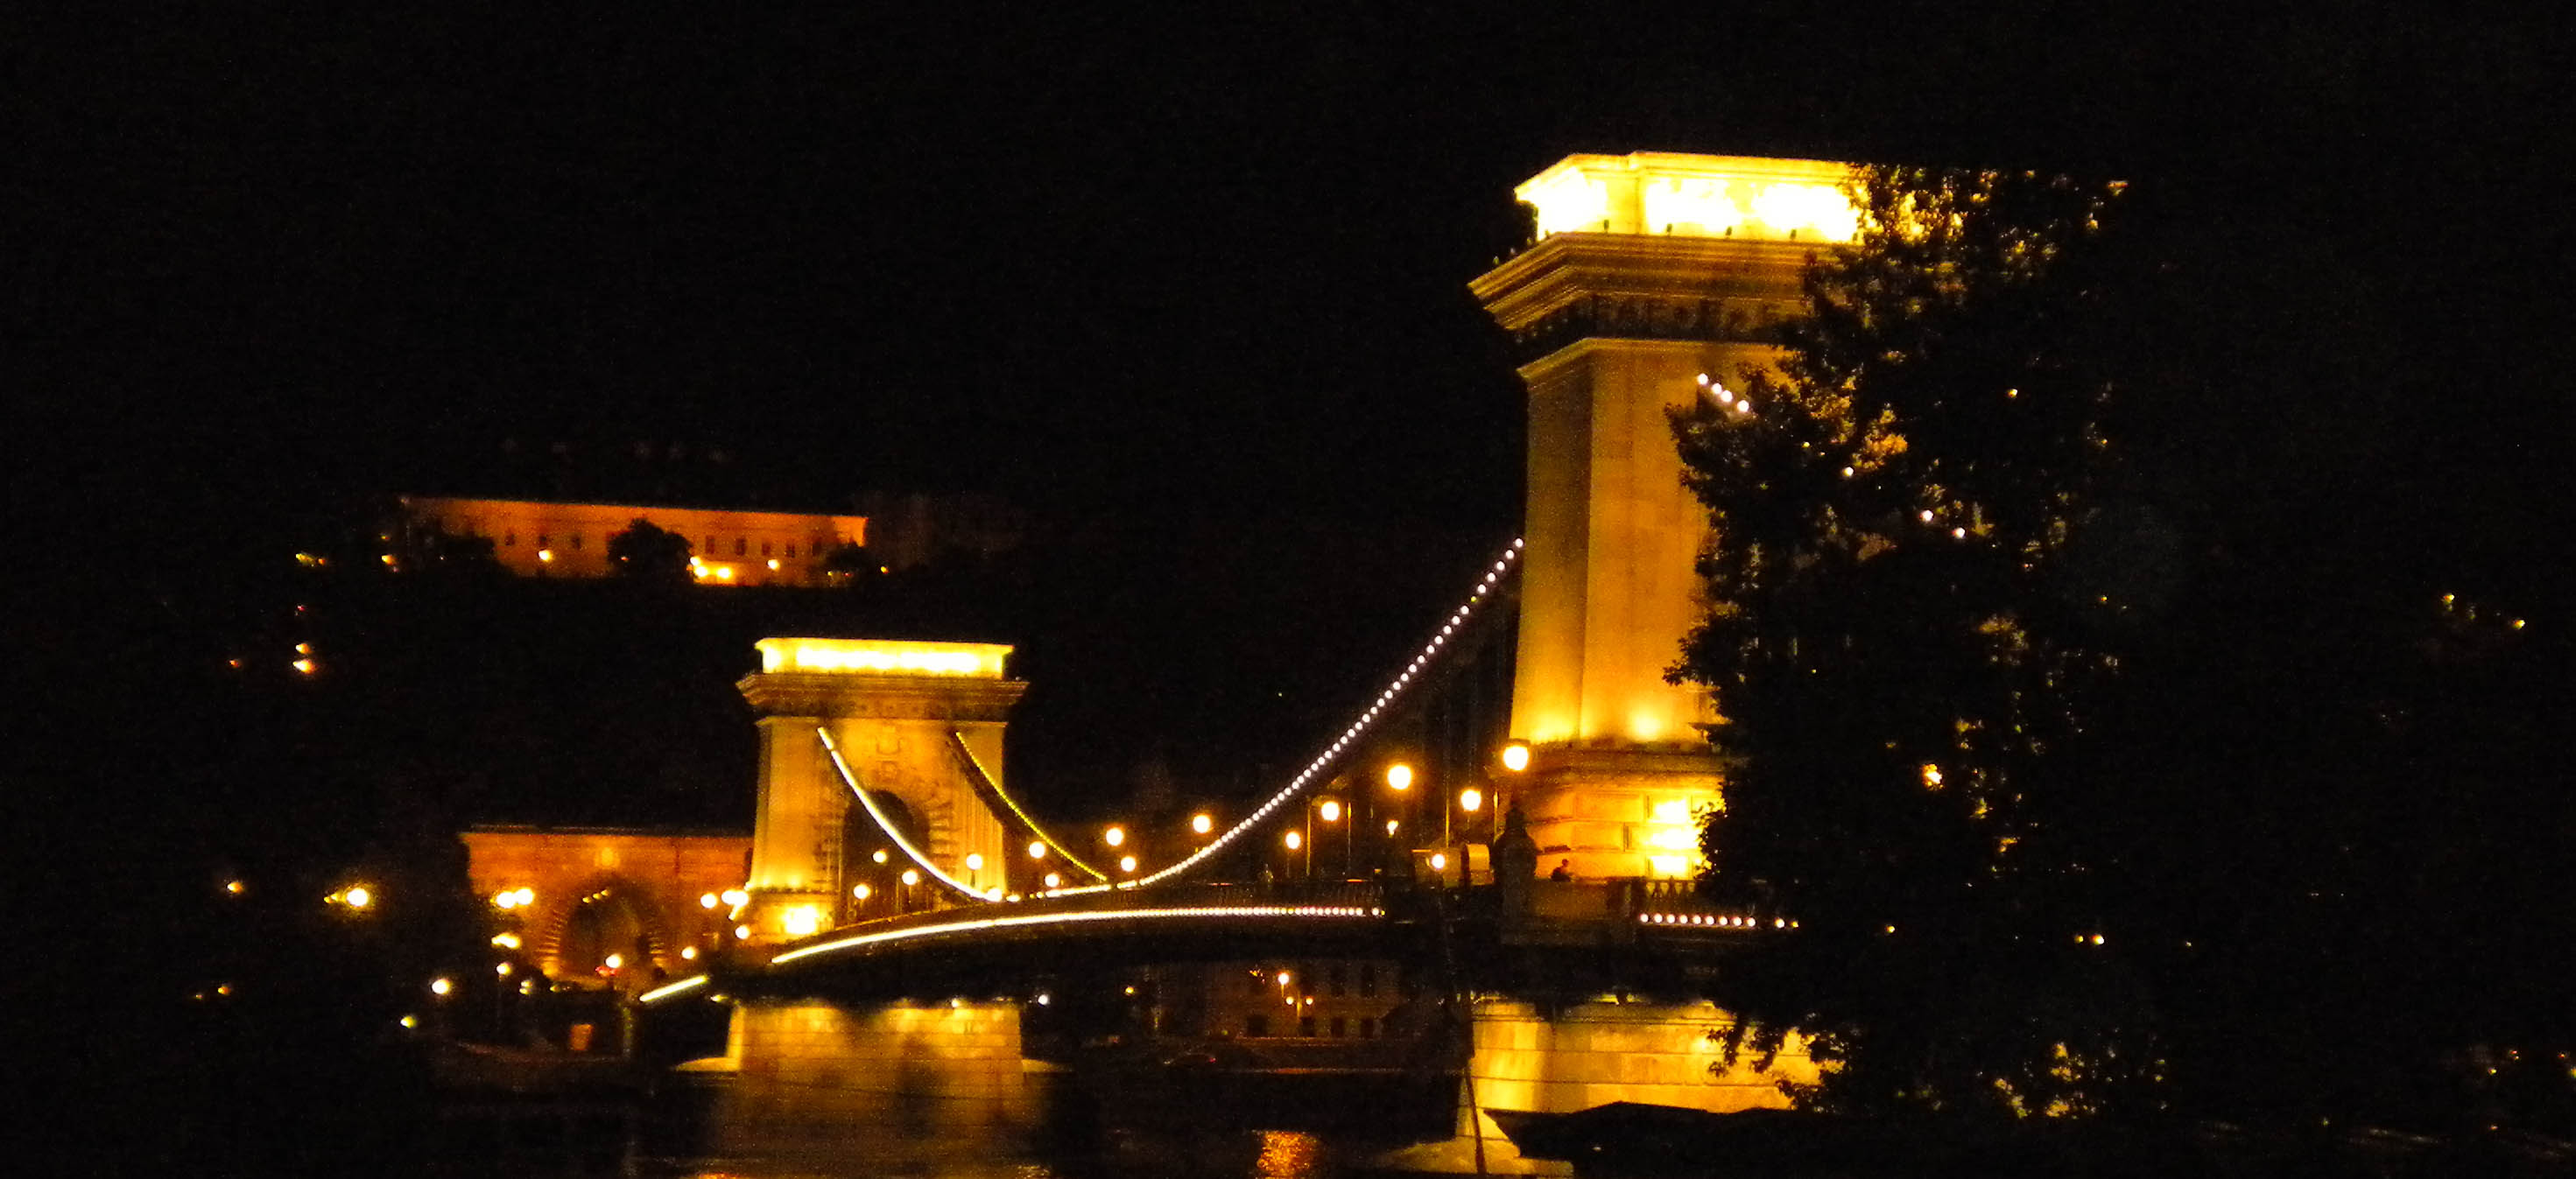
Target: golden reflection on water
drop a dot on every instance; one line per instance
(1289, 1154)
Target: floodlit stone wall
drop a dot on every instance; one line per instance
(815, 1070)
(1594, 1053)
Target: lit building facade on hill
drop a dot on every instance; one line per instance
(535, 538)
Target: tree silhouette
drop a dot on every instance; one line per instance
(649, 553)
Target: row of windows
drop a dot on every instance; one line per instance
(1338, 1027)
(741, 544)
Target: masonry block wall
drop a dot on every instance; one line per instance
(809, 1071)
(1593, 1053)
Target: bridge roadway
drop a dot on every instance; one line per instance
(997, 947)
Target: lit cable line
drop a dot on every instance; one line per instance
(887, 825)
(1022, 920)
(958, 742)
(665, 992)
(1350, 735)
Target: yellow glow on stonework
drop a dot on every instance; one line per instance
(1568, 202)
(800, 920)
(832, 750)
(507, 941)
(1697, 206)
(1671, 836)
(1818, 210)
(1664, 194)
(882, 657)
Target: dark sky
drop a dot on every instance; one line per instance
(1218, 262)
(1190, 275)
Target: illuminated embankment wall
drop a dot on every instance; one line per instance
(891, 707)
(1651, 271)
(539, 539)
(1595, 1053)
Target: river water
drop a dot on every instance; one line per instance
(704, 1128)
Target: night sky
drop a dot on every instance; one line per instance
(1196, 280)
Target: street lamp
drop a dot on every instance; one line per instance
(1330, 811)
(1114, 837)
(1202, 823)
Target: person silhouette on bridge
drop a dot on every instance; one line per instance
(1564, 870)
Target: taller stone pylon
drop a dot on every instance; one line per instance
(1651, 270)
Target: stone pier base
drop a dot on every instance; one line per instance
(1595, 1053)
(817, 1073)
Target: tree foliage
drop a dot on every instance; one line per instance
(648, 552)
(1909, 638)
(2071, 579)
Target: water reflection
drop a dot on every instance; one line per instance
(1254, 1154)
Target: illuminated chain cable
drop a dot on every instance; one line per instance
(887, 825)
(973, 924)
(958, 743)
(1314, 773)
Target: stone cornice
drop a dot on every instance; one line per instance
(898, 697)
(1574, 285)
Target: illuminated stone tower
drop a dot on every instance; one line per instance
(917, 722)
(1650, 270)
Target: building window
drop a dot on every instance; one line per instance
(741, 546)
(764, 548)
(1368, 1027)
(711, 546)
(1306, 1026)
(576, 542)
(1341, 1027)
(1341, 982)
(1256, 1025)
(1368, 980)
(791, 549)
